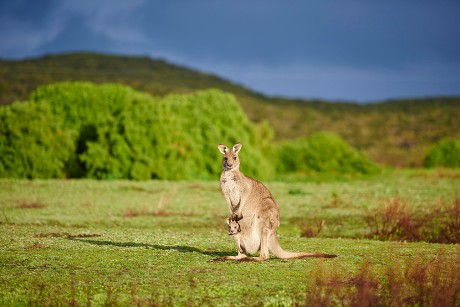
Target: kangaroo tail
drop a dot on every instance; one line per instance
(276, 249)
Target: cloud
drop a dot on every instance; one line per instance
(334, 82)
(19, 37)
(113, 19)
(356, 50)
(22, 35)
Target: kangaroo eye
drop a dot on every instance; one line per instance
(234, 158)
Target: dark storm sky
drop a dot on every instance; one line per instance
(349, 50)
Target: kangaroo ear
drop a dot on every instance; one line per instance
(228, 220)
(237, 147)
(222, 148)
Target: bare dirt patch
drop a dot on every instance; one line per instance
(28, 204)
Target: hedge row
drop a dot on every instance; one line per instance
(74, 130)
(80, 129)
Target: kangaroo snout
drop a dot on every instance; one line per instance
(228, 164)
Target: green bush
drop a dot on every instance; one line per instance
(445, 153)
(322, 152)
(209, 118)
(111, 131)
(32, 142)
(174, 138)
(106, 131)
(87, 110)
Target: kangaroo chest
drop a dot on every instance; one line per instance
(231, 188)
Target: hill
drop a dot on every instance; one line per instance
(395, 133)
(157, 77)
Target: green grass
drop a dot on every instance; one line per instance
(84, 242)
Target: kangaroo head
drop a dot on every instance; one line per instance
(233, 226)
(230, 160)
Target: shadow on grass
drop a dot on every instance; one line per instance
(178, 248)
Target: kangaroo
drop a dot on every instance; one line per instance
(234, 229)
(256, 212)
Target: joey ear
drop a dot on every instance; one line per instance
(237, 147)
(222, 148)
(228, 220)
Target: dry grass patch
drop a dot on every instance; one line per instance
(415, 282)
(30, 204)
(395, 221)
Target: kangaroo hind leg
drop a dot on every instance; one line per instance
(264, 252)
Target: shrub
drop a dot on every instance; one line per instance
(79, 129)
(394, 221)
(89, 112)
(445, 153)
(175, 138)
(414, 282)
(32, 142)
(211, 117)
(107, 131)
(322, 152)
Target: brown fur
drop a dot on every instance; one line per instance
(256, 211)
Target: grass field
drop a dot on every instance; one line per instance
(84, 242)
